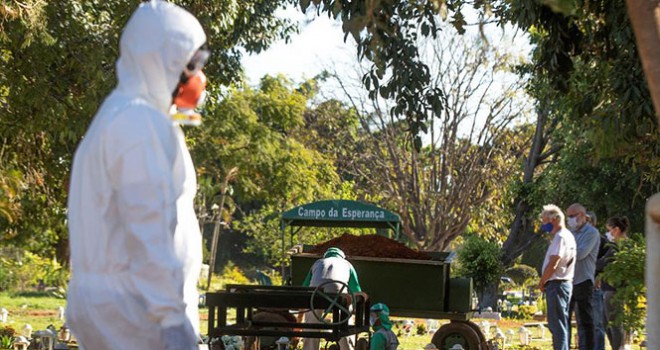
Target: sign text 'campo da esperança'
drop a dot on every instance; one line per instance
(341, 213)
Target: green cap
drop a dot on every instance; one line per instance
(334, 252)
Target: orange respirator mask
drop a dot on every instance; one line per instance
(190, 93)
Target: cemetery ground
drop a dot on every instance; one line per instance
(40, 309)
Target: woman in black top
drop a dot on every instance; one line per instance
(617, 230)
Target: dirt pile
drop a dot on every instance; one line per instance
(374, 246)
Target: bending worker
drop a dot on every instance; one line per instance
(383, 337)
(135, 243)
(332, 267)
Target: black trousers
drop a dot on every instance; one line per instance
(581, 302)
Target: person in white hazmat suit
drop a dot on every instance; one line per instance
(332, 267)
(135, 242)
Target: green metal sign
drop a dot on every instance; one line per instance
(337, 213)
(341, 213)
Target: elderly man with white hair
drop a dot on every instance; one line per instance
(557, 278)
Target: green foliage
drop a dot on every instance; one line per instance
(231, 274)
(58, 65)
(525, 312)
(420, 329)
(626, 273)
(265, 134)
(387, 33)
(29, 269)
(7, 331)
(479, 259)
(615, 186)
(6, 342)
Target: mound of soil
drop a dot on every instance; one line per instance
(374, 246)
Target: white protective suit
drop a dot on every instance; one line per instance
(135, 242)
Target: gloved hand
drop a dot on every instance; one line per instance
(180, 337)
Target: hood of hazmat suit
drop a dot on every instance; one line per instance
(383, 313)
(134, 239)
(383, 337)
(333, 267)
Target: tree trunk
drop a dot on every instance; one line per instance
(521, 234)
(645, 18)
(489, 297)
(62, 253)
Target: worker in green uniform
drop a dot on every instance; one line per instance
(334, 272)
(333, 267)
(383, 337)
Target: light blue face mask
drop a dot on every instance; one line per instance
(372, 319)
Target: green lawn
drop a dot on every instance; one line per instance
(37, 309)
(41, 310)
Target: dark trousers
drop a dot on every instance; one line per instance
(615, 332)
(581, 302)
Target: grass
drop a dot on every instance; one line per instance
(41, 309)
(35, 308)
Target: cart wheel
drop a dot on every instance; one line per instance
(482, 338)
(334, 346)
(362, 344)
(318, 291)
(456, 333)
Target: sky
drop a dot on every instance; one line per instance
(320, 45)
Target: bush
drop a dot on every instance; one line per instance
(29, 270)
(421, 329)
(7, 331)
(6, 342)
(231, 274)
(6, 278)
(526, 312)
(626, 273)
(479, 259)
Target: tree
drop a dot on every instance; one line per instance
(256, 131)
(646, 23)
(523, 275)
(58, 64)
(480, 260)
(435, 190)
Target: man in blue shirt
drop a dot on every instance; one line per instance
(587, 240)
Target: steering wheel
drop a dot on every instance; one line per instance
(334, 302)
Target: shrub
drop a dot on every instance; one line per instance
(526, 312)
(479, 259)
(626, 273)
(231, 274)
(6, 342)
(6, 278)
(28, 270)
(421, 329)
(7, 331)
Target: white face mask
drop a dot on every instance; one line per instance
(572, 223)
(609, 236)
(372, 319)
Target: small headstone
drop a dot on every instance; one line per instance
(430, 346)
(27, 330)
(3, 315)
(60, 312)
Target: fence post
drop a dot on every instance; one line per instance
(653, 271)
